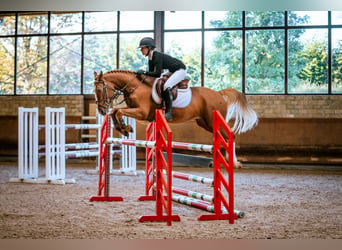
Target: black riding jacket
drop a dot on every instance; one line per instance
(162, 61)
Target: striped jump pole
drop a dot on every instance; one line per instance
(193, 147)
(136, 143)
(203, 205)
(193, 178)
(193, 194)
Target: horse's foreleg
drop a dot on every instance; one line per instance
(119, 122)
(120, 125)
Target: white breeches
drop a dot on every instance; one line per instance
(175, 78)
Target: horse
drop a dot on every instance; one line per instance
(137, 90)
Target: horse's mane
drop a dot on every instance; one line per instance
(126, 71)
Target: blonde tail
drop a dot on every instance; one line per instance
(238, 108)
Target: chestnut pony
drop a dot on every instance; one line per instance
(137, 90)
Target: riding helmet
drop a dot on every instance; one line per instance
(147, 42)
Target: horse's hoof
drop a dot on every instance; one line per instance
(237, 164)
(129, 128)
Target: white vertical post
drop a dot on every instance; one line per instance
(128, 153)
(99, 120)
(28, 143)
(55, 143)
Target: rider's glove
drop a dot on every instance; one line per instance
(140, 72)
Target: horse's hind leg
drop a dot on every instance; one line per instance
(209, 128)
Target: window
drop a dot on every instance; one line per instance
(265, 61)
(66, 22)
(33, 23)
(65, 56)
(136, 20)
(186, 46)
(100, 21)
(308, 61)
(300, 18)
(223, 60)
(183, 20)
(32, 65)
(223, 19)
(264, 18)
(130, 56)
(256, 52)
(7, 51)
(99, 54)
(336, 61)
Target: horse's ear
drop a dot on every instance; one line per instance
(95, 74)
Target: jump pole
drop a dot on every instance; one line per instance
(202, 205)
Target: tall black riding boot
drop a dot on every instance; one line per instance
(167, 96)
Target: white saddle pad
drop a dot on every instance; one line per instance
(183, 99)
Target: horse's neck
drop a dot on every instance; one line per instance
(120, 79)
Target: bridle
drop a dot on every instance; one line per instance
(117, 92)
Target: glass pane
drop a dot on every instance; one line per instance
(183, 19)
(222, 19)
(32, 65)
(336, 60)
(7, 24)
(223, 60)
(136, 20)
(130, 56)
(99, 54)
(265, 18)
(65, 65)
(6, 66)
(307, 18)
(66, 22)
(186, 46)
(33, 23)
(336, 17)
(100, 21)
(265, 61)
(308, 61)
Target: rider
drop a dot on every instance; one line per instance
(157, 62)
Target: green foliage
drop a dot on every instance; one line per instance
(337, 64)
(264, 53)
(315, 70)
(191, 58)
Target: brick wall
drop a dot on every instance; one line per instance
(297, 106)
(74, 108)
(73, 104)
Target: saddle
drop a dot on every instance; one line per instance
(160, 86)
